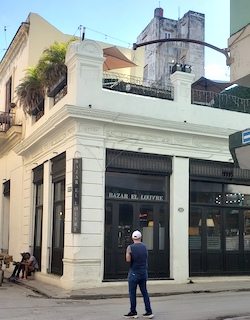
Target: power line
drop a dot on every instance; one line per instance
(107, 36)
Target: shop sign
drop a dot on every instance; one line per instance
(246, 136)
(76, 195)
(135, 196)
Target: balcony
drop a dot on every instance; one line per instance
(6, 121)
(9, 131)
(220, 101)
(135, 85)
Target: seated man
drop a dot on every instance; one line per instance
(19, 266)
(30, 265)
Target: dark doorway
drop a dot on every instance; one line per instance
(152, 219)
(38, 183)
(58, 179)
(58, 228)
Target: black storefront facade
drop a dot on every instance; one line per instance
(219, 219)
(137, 196)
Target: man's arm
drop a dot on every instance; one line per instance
(128, 254)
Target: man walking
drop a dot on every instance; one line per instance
(137, 256)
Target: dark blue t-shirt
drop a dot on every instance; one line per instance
(139, 257)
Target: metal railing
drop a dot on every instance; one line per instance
(136, 85)
(6, 121)
(220, 101)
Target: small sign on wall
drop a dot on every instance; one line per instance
(76, 195)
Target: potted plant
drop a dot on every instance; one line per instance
(52, 69)
(30, 91)
(50, 74)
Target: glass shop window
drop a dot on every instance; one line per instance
(206, 192)
(125, 186)
(237, 195)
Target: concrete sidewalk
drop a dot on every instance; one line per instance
(155, 288)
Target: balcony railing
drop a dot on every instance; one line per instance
(135, 85)
(6, 121)
(220, 101)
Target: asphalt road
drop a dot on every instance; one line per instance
(18, 302)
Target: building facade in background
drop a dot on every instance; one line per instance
(161, 57)
(108, 155)
(239, 42)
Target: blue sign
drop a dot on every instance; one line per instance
(246, 136)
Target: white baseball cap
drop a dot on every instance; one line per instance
(136, 234)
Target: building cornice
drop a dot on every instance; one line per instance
(14, 47)
(12, 138)
(67, 112)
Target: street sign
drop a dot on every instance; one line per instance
(246, 136)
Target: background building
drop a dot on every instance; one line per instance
(161, 57)
(239, 42)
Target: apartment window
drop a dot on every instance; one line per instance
(167, 35)
(8, 94)
(145, 72)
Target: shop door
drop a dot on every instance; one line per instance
(121, 219)
(219, 241)
(38, 224)
(38, 236)
(58, 228)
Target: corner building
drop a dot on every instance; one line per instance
(100, 163)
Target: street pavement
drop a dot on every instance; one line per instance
(155, 288)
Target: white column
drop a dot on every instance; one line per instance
(84, 61)
(179, 219)
(83, 252)
(182, 86)
(47, 218)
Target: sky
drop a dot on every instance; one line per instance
(120, 22)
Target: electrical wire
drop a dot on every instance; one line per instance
(105, 35)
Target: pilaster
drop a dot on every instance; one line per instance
(84, 61)
(182, 86)
(179, 218)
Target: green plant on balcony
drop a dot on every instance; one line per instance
(51, 66)
(49, 70)
(30, 91)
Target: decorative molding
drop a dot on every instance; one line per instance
(168, 129)
(90, 47)
(85, 47)
(172, 138)
(13, 51)
(11, 138)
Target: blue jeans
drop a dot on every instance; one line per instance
(140, 279)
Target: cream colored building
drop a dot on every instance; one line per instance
(102, 162)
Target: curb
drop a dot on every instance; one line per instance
(119, 296)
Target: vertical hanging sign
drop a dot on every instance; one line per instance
(76, 195)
